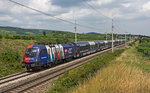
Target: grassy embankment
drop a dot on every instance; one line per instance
(129, 73)
(78, 75)
(11, 54)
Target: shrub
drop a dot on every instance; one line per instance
(11, 56)
(12, 59)
(17, 37)
(1, 36)
(144, 47)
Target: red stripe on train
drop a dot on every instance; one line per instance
(26, 59)
(30, 46)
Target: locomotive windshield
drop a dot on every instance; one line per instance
(31, 52)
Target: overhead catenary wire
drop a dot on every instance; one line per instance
(47, 14)
(96, 10)
(99, 12)
(117, 25)
(85, 3)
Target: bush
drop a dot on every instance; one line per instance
(17, 37)
(11, 56)
(144, 47)
(1, 36)
(12, 59)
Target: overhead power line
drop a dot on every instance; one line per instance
(117, 26)
(99, 12)
(51, 15)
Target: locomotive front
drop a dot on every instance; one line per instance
(30, 60)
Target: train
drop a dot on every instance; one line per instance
(46, 55)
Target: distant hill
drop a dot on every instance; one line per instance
(22, 31)
(92, 33)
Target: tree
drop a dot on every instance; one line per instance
(58, 41)
(66, 40)
(1, 36)
(44, 33)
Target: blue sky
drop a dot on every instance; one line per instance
(132, 16)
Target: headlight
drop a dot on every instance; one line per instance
(33, 65)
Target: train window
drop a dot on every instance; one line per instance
(31, 52)
(84, 47)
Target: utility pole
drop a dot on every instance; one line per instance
(75, 28)
(106, 35)
(125, 39)
(130, 38)
(112, 36)
(121, 38)
(116, 36)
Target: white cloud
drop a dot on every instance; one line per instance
(78, 14)
(146, 6)
(1, 5)
(4, 6)
(43, 5)
(16, 21)
(16, 9)
(100, 2)
(9, 19)
(83, 12)
(5, 18)
(111, 13)
(68, 15)
(126, 4)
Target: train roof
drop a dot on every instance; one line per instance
(97, 42)
(92, 43)
(82, 43)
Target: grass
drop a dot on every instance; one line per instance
(11, 63)
(78, 75)
(129, 73)
(117, 78)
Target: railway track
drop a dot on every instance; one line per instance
(13, 77)
(24, 82)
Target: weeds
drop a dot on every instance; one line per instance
(73, 77)
(117, 78)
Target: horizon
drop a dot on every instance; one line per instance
(68, 31)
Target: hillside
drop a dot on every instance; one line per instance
(22, 31)
(11, 55)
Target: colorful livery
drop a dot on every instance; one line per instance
(38, 56)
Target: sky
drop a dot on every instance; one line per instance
(130, 16)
